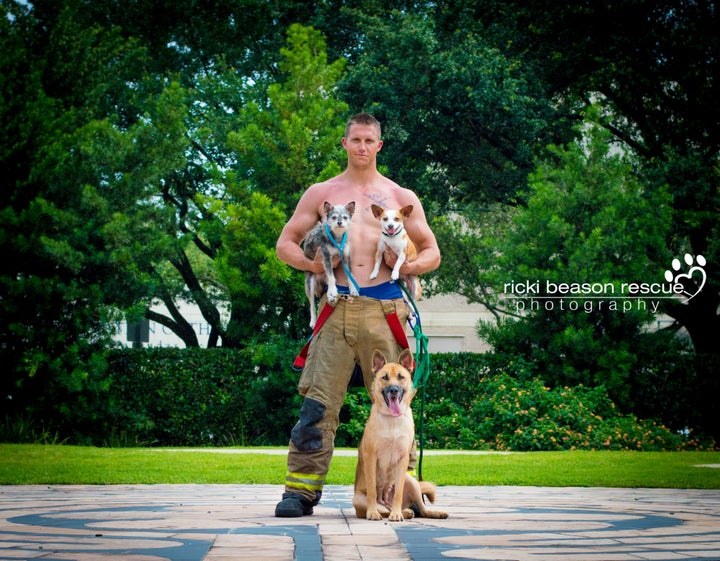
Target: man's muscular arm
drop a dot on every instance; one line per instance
(304, 219)
(287, 248)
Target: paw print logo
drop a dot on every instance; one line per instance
(685, 279)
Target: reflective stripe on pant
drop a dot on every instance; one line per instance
(304, 482)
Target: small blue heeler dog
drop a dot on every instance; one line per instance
(331, 237)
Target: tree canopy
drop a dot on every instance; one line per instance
(654, 67)
(589, 230)
(151, 152)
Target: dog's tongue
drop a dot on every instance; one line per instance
(394, 406)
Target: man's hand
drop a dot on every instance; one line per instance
(391, 258)
(317, 264)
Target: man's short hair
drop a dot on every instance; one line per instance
(363, 119)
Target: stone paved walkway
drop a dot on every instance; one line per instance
(236, 522)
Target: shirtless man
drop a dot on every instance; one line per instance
(357, 326)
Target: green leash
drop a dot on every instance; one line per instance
(422, 370)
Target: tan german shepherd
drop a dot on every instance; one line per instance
(382, 485)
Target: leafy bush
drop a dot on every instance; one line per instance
(505, 413)
(453, 375)
(23, 429)
(203, 397)
(182, 397)
(220, 397)
(498, 402)
(353, 415)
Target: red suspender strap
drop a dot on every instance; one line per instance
(398, 332)
(299, 362)
(397, 329)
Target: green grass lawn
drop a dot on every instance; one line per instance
(25, 464)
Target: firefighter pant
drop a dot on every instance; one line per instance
(355, 329)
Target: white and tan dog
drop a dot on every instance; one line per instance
(383, 487)
(395, 237)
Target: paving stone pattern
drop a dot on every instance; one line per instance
(236, 522)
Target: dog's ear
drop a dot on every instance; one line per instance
(377, 210)
(406, 210)
(406, 360)
(378, 361)
(350, 207)
(327, 207)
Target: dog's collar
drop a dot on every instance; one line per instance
(339, 246)
(400, 229)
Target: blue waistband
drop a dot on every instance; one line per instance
(385, 291)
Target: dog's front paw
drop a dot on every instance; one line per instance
(396, 516)
(394, 275)
(332, 295)
(354, 291)
(373, 515)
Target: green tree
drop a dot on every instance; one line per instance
(284, 143)
(123, 189)
(289, 135)
(151, 156)
(588, 219)
(63, 225)
(253, 151)
(655, 69)
(228, 157)
(463, 120)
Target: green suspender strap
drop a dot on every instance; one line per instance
(422, 371)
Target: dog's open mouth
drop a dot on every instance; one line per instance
(393, 396)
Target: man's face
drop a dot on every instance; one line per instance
(362, 145)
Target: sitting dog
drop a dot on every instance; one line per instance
(396, 238)
(383, 486)
(334, 227)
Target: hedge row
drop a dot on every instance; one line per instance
(200, 397)
(495, 403)
(221, 397)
